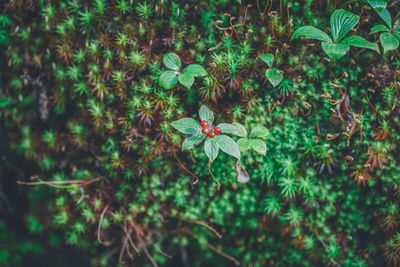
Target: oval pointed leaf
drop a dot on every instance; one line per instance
(379, 28)
(259, 132)
(228, 145)
(268, 59)
(186, 80)
(342, 22)
(389, 42)
(168, 79)
(187, 126)
(195, 70)
(335, 50)
(244, 144)
(259, 146)
(378, 5)
(311, 32)
(211, 148)
(359, 41)
(385, 15)
(193, 140)
(274, 76)
(172, 61)
(206, 114)
(234, 128)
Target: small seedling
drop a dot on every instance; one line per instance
(254, 140)
(273, 75)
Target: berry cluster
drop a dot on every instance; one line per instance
(210, 130)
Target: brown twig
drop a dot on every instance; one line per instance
(100, 222)
(73, 183)
(186, 170)
(212, 175)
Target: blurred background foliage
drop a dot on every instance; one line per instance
(80, 100)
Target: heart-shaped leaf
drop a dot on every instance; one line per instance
(206, 114)
(211, 148)
(379, 28)
(268, 59)
(335, 50)
(311, 32)
(172, 61)
(186, 80)
(168, 79)
(193, 140)
(195, 70)
(259, 132)
(342, 22)
(228, 145)
(359, 41)
(244, 144)
(259, 146)
(274, 76)
(234, 128)
(389, 42)
(187, 126)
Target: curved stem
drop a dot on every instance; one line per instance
(212, 175)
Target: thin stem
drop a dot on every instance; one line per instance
(186, 170)
(212, 175)
(100, 222)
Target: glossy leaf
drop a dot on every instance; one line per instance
(379, 28)
(259, 132)
(195, 70)
(387, 18)
(311, 32)
(378, 5)
(228, 145)
(234, 128)
(172, 61)
(274, 76)
(335, 50)
(342, 22)
(389, 42)
(168, 79)
(193, 140)
(211, 149)
(186, 80)
(359, 41)
(187, 126)
(206, 114)
(268, 59)
(259, 146)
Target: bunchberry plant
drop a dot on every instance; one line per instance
(170, 78)
(273, 75)
(390, 37)
(336, 47)
(215, 136)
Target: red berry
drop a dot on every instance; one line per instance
(211, 134)
(206, 131)
(204, 124)
(217, 130)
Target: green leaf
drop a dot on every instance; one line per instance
(195, 70)
(259, 146)
(268, 59)
(342, 22)
(186, 80)
(379, 28)
(311, 32)
(5, 102)
(359, 41)
(259, 132)
(187, 126)
(234, 128)
(378, 5)
(172, 61)
(211, 148)
(228, 145)
(389, 42)
(244, 144)
(193, 140)
(206, 114)
(335, 50)
(385, 15)
(168, 79)
(274, 76)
